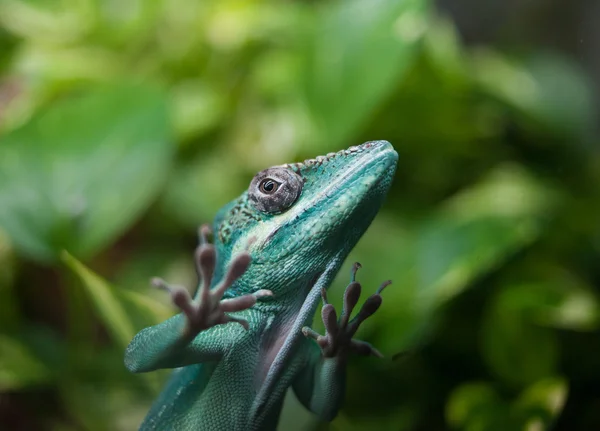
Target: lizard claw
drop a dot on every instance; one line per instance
(339, 332)
(204, 233)
(209, 308)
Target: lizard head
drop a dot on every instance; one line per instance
(297, 217)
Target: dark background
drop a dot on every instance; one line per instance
(125, 125)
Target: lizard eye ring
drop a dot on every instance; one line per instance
(274, 190)
(268, 186)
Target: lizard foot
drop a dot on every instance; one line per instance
(209, 308)
(339, 332)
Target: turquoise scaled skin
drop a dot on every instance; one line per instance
(245, 337)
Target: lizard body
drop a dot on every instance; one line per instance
(245, 338)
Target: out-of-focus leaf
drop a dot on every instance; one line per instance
(516, 350)
(356, 54)
(146, 305)
(96, 407)
(478, 228)
(105, 301)
(509, 191)
(9, 311)
(168, 261)
(116, 307)
(543, 401)
(132, 23)
(61, 64)
(196, 108)
(197, 190)
(294, 415)
(111, 308)
(471, 402)
(477, 406)
(438, 258)
(48, 20)
(544, 88)
(19, 369)
(400, 419)
(79, 174)
(444, 50)
(560, 303)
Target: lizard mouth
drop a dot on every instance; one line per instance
(342, 193)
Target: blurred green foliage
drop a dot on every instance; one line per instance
(127, 124)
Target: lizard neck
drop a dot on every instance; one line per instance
(285, 347)
(284, 307)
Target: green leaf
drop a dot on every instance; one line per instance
(355, 56)
(558, 303)
(436, 259)
(516, 350)
(474, 231)
(295, 416)
(116, 309)
(444, 50)
(544, 88)
(197, 107)
(105, 301)
(470, 402)
(19, 368)
(154, 311)
(187, 198)
(543, 401)
(48, 20)
(76, 176)
(477, 406)
(402, 418)
(81, 400)
(9, 310)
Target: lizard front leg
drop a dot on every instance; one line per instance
(198, 333)
(321, 385)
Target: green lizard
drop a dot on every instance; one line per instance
(245, 338)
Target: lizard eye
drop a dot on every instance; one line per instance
(268, 186)
(274, 190)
